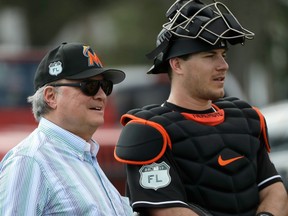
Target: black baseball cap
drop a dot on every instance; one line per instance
(73, 61)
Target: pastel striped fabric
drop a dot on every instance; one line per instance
(54, 172)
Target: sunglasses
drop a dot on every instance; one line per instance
(90, 87)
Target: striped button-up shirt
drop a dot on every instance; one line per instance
(54, 172)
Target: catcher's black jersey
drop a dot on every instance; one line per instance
(216, 160)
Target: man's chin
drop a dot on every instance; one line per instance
(216, 97)
(97, 123)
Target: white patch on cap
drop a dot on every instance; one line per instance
(155, 176)
(55, 68)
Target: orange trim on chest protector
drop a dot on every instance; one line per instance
(210, 119)
(263, 129)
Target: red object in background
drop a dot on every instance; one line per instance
(16, 116)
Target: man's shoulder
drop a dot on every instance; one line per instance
(148, 112)
(150, 107)
(232, 102)
(28, 147)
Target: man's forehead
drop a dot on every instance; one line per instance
(220, 50)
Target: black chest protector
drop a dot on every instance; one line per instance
(216, 153)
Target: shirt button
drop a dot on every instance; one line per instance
(81, 157)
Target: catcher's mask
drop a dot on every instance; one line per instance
(195, 27)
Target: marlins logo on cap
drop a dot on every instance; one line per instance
(92, 57)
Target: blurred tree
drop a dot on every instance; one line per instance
(46, 17)
(137, 23)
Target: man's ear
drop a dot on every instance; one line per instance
(175, 64)
(50, 96)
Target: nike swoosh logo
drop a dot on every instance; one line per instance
(223, 162)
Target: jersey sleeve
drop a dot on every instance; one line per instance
(267, 173)
(157, 184)
(152, 175)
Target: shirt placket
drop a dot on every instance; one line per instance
(93, 161)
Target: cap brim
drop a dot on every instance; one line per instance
(116, 76)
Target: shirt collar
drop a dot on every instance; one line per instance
(76, 143)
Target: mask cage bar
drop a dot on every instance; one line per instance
(172, 25)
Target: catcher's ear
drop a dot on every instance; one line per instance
(175, 64)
